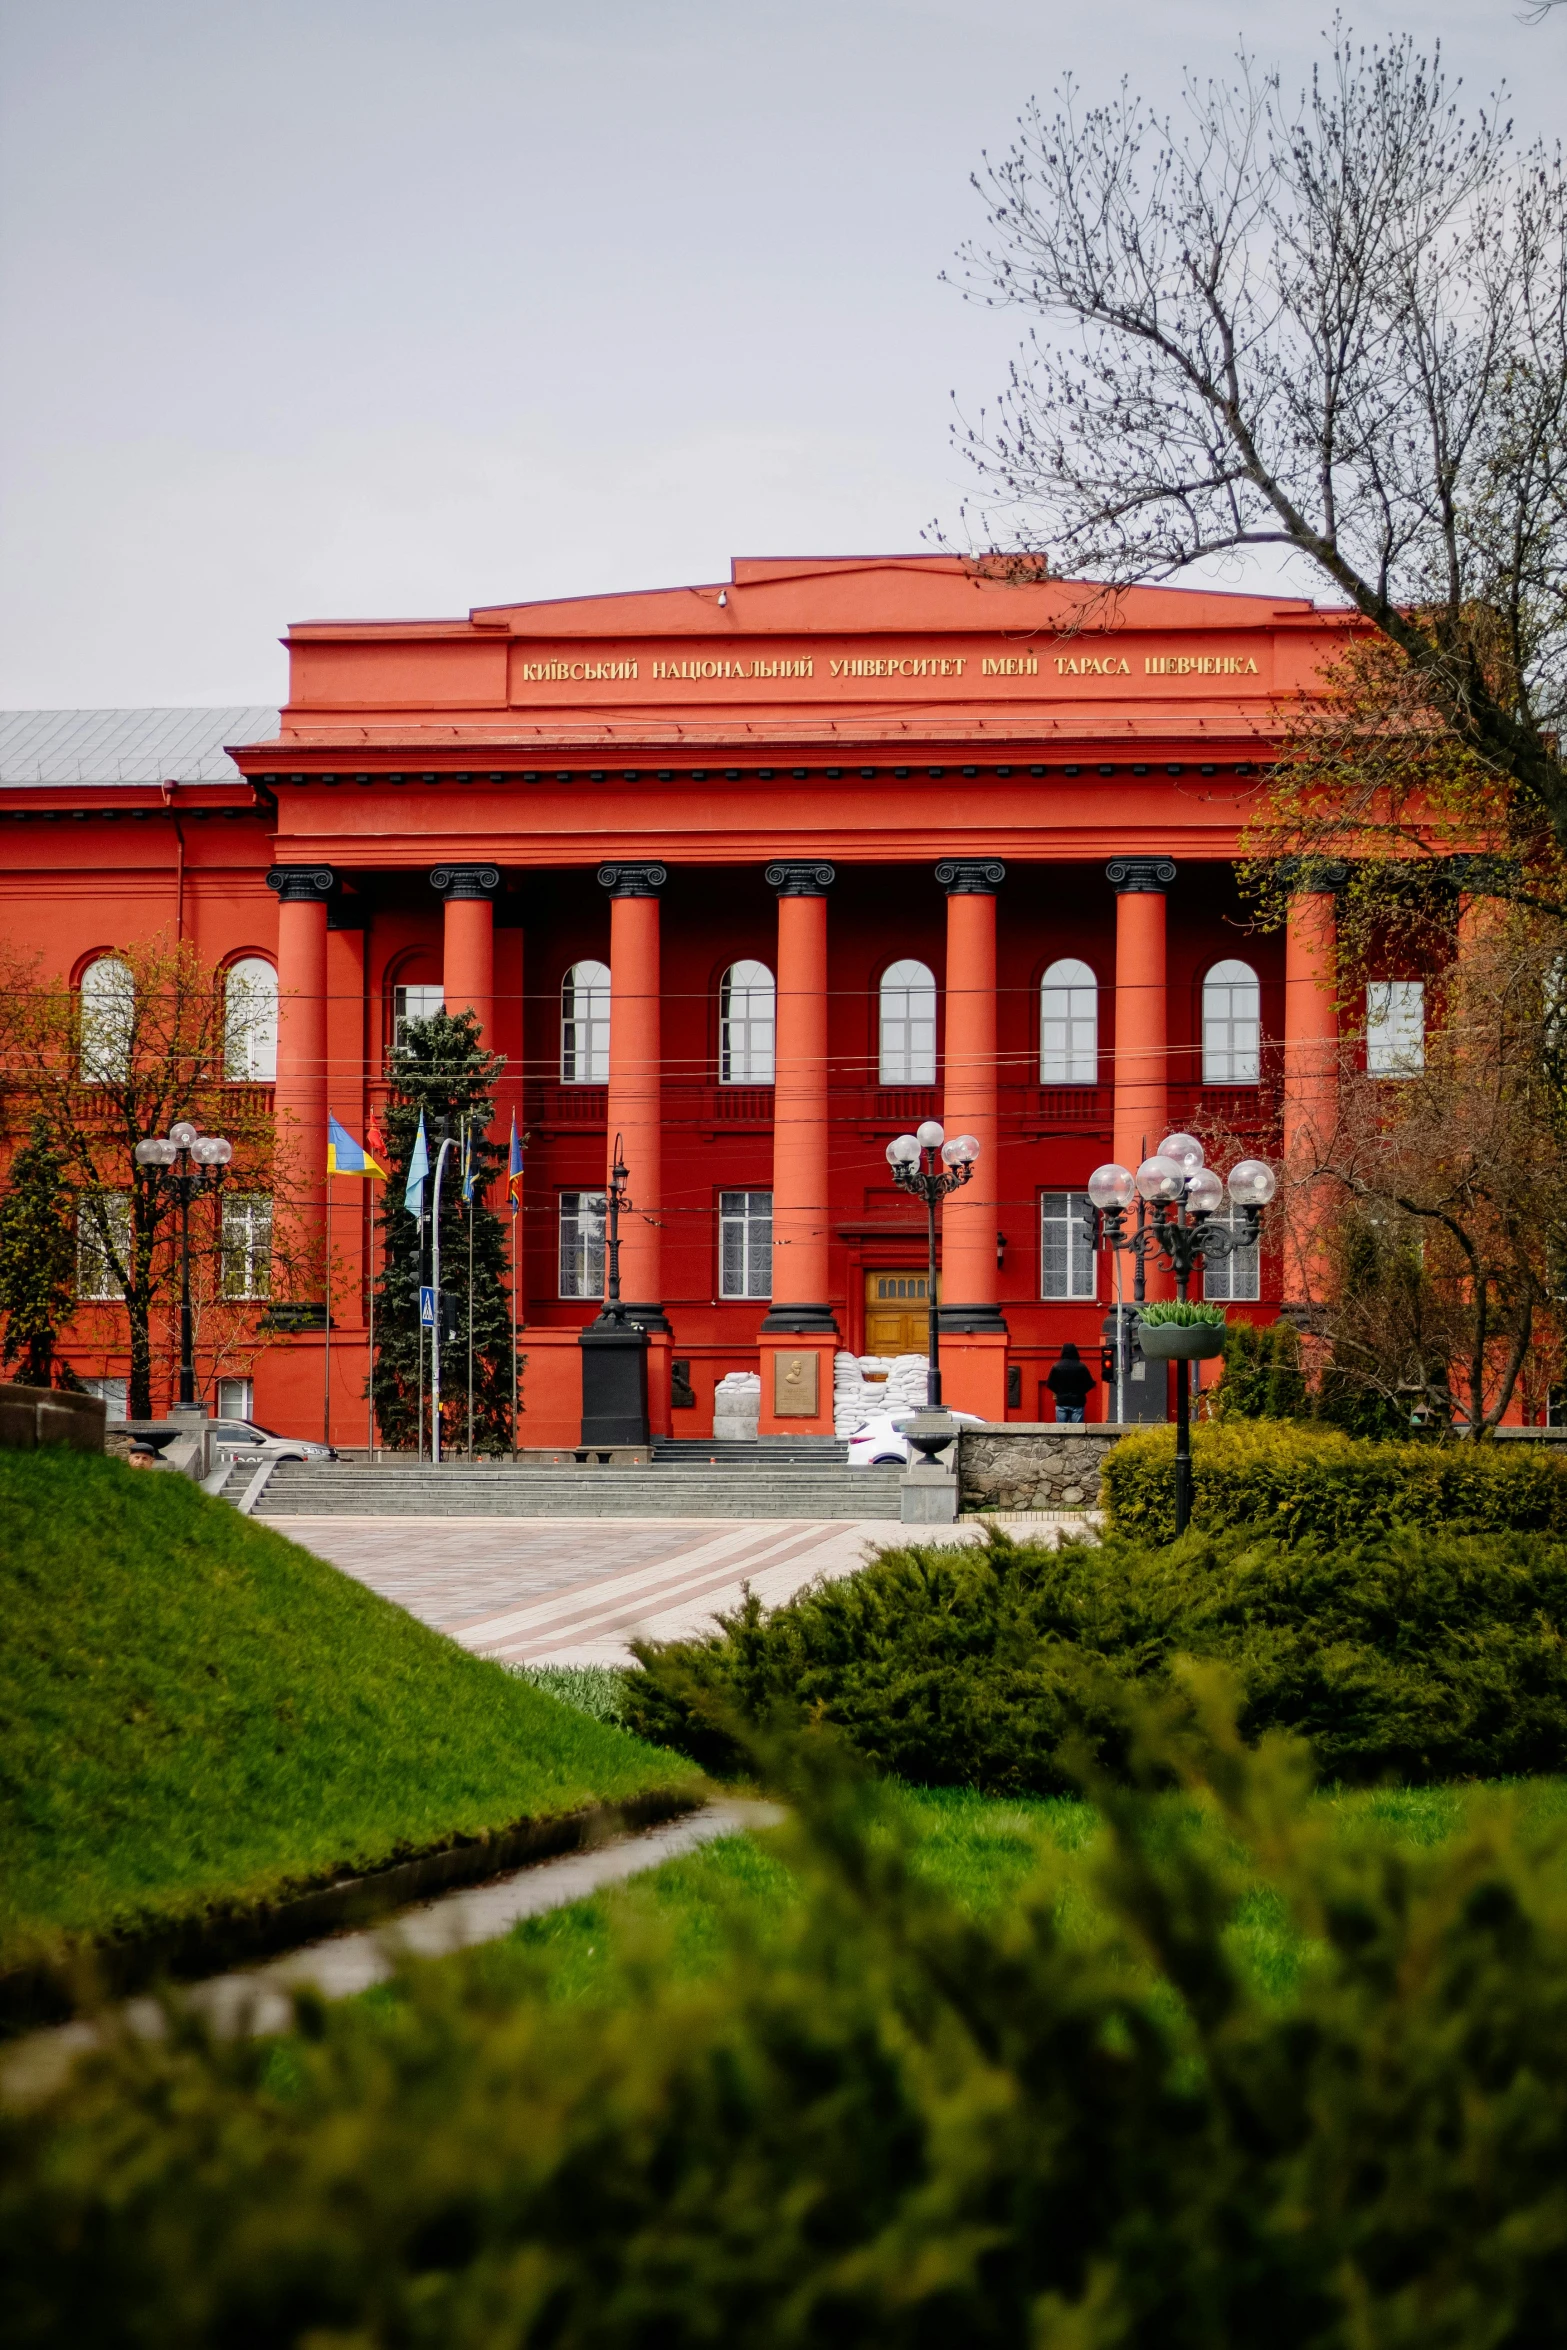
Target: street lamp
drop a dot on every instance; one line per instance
(914, 1159)
(187, 1161)
(1183, 1196)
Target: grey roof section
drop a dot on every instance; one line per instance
(126, 746)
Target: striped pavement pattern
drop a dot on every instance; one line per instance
(569, 1591)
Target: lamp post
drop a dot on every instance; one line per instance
(928, 1166)
(616, 1199)
(615, 1346)
(1183, 1196)
(205, 1156)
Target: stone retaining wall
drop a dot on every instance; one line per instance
(1034, 1465)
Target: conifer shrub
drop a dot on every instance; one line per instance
(1294, 1481)
(898, 2126)
(1411, 1655)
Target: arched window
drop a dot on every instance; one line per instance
(250, 1022)
(1069, 1025)
(108, 1021)
(584, 1025)
(1231, 1025)
(746, 1018)
(908, 1025)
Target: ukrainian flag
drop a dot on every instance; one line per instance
(344, 1156)
(514, 1167)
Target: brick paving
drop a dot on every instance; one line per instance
(574, 1590)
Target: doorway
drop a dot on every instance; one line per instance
(897, 1313)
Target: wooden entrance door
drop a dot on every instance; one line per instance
(897, 1313)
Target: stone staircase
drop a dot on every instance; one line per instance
(755, 1486)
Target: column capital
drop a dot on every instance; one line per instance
(1140, 876)
(971, 877)
(1483, 876)
(800, 878)
(302, 885)
(633, 881)
(465, 881)
(1311, 877)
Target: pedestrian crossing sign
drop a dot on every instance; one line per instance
(426, 1306)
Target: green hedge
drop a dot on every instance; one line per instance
(1275, 1478)
(899, 2125)
(1412, 1655)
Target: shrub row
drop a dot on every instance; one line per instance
(906, 2127)
(1417, 1655)
(1278, 1478)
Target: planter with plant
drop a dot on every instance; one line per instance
(1177, 1330)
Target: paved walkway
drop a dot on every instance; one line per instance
(571, 1591)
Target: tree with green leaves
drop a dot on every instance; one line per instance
(37, 1257)
(442, 1071)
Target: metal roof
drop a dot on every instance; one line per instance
(126, 746)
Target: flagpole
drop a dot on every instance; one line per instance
(514, 1326)
(370, 1318)
(468, 1189)
(326, 1386)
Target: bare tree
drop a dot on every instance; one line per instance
(1337, 326)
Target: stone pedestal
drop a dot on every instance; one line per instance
(928, 1496)
(614, 1383)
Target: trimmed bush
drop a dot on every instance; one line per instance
(898, 2126)
(1273, 1477)
(1413, 1655)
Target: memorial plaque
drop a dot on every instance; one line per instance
(794, 1385)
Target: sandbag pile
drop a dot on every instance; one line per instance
(899, 1387)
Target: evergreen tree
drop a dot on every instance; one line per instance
(37, 1257)
(444, 1071)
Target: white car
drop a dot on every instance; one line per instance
(879, 1442)
(265, 1444)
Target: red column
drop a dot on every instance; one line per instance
(636, 1110)
(468, 952)
(1310, 1068)
(973, 1332)
(301, 1094)
(1142, 1077)
(798, 1334)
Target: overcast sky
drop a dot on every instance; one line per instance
(365, 307)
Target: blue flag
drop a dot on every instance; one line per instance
(418, 1169)
(514, 1167)
(467, 1162)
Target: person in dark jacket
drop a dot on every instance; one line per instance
(1070, 1383)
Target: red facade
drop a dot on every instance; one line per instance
(824, 769)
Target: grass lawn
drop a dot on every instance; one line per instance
(196, 1716)
(980, 1850)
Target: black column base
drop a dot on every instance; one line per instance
(648, 1317)
(614, 1382)
(971, 1321)
(799, 1322)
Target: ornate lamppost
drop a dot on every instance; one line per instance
(928, 1166)
(1176, 1198)
(614, 1347)
(204, 1157)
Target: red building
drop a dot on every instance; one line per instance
(754, 875)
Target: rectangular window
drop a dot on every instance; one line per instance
(1066, 1245)
(1237, 1278)
(1395, 1027)
(745, 1244)
(95, 1273)
(582, 1244)
(115, 1394)
(413, 1003)
(235, 1399)
(247, 1244)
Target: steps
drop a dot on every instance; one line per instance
(757, 1452)
(755, 1488)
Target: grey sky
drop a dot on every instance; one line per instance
(352, 307)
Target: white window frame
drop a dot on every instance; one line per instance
(114, 1393)
(1237, 1278)
(745, 1244)
(1395, 1027)
(584, 1024)
(237, 1399)
(1231, 1033)
(414, 999)
(247, 1244)
(1068, 1217)
(95, 1279)
(583, 1222)
(250, 1022)
(906, 1007)
(1069, 1024)
(108, 1021)
(747, 1025)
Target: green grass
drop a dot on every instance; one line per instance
(197, 1715)
(981, 1851)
